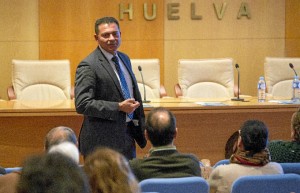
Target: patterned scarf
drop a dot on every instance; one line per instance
(247, 158)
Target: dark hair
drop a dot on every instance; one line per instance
(107, 20)
(52, 172)
(254, 134)
(160, 131)
(58, 135)
(231, 144)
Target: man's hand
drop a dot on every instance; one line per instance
(129, 105)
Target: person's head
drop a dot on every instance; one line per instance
(108, 34)
(295, 129)
(67, 148)
(109, 172)
(52, 172)
(253, 136)
(58, 135)
(160, 127)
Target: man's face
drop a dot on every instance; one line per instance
(109, 37)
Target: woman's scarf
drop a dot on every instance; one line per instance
(248, 158)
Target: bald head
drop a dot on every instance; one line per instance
(58, 135)
(161, 126)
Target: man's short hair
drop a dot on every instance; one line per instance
(58, 135)
(160, 131)
(254, 134)
(107, 20)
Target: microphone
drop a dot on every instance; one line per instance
(292, 67)
(238, 95)
(145, 100)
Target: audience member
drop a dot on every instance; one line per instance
(52, 172)
(53, 137)
(108, 172)
(287, 151)
(59, 134)
(164, 161)
(231, 144)
(252, 158)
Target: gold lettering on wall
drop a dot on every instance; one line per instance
(129, 11)
(220, 11)
(154, 10)
(193, 13)
(172, 10)
(244, 11)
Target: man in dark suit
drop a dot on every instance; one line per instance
(106, 93)
(164, 161)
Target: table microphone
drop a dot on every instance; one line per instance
(145, 100)
(292, 67)
(238, 95)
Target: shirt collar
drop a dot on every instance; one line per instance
(108, 55)
(162, 148)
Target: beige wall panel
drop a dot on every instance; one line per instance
(19, 20)
(248, 41)
(74, 20)
(292, 28)
(249, 54)
(18, 36)
(69, 32)
(267, 20)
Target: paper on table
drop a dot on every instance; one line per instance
(211, 103)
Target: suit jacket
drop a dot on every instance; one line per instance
(165, 164)
(97, 94)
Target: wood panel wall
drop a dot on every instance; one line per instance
(59, 29)
(67, 29)
(292, 28)
(19, 36)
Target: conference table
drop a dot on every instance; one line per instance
(204, 125)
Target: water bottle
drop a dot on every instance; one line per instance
(261, 90)
(296, 89)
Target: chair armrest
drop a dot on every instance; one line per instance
(162, 91)
(11, 93)
(178, 91)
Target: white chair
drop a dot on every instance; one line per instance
(279, 76)
(205, 78)
(151, 74)
(40, 80)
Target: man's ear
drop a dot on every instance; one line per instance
(96, 37)
(175, 134)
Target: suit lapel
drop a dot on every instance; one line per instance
(103, 61)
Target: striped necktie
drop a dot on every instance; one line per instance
(124, 85)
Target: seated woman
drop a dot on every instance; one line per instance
(287, 151)
(251, 158)
(109, 172)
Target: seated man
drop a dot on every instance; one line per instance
(251, 158)
(287, 151)
(164, 161)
